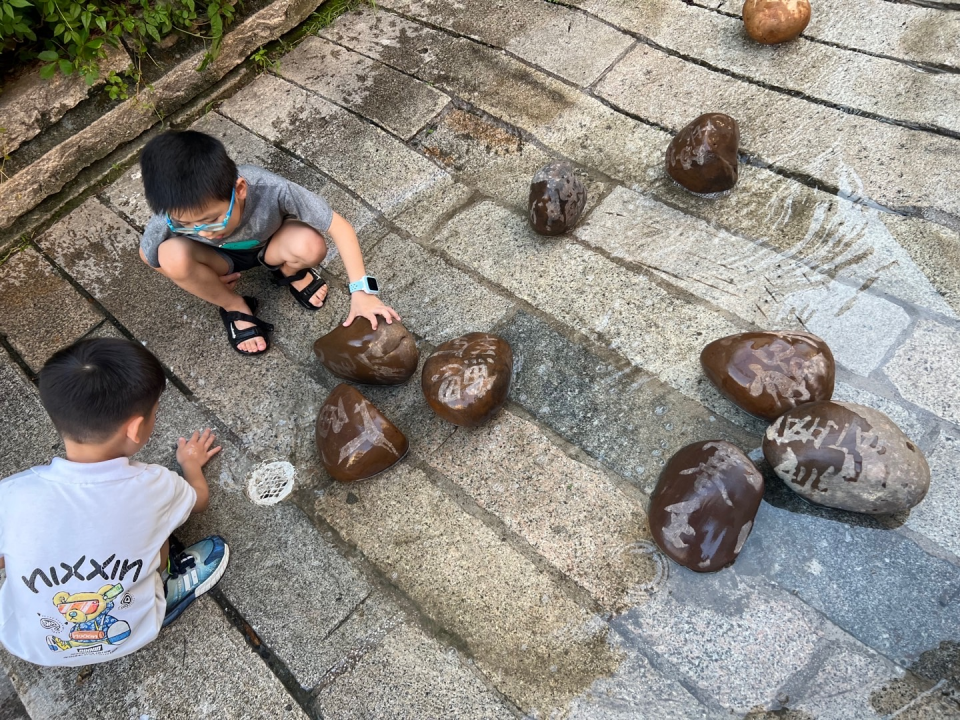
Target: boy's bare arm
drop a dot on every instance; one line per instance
(361, 304)
(192, 455)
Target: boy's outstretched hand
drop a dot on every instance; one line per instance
(369, 306)
(197, 451)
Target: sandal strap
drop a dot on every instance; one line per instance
(281, 279)
(232, 316)
(307, 292)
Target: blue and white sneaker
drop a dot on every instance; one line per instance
(193, 572)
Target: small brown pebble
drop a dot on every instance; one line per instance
(702, 157)
(775, 21)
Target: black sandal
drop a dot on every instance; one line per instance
(259, 329)
(301, 296)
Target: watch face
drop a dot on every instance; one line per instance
(372, 284)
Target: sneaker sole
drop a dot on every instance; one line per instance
(201, 589)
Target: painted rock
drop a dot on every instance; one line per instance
(385, 356)
(847, 456)
(466, 380)
(775, 21)
(557, 197)
(703, 507)
(703, 156)
(768, 373)
(356, 440)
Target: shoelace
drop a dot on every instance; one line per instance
(180, 566)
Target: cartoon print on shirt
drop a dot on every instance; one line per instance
(90, 618)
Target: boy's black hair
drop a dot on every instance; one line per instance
(92, 387)
(185, 171)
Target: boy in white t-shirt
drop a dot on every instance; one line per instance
(84, 539)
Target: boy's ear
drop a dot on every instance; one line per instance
(134, 428)
(241, 188)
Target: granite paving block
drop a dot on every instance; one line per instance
(622, 310)
(574, 515)
(766, 288)
(824, 72)
(876, 584)
(938, 516)
(396, 102)
(377, 166)
(537, 646)
(832, 232)
(540, 35)
(436, 301)
(420, 214)
(495, 160)
(214, 671)
(908, 32)
(10, 706)
(748, 644)
(27, 437)
(923, 367)
(39, 311)
(626, 419)
(898, 167)
(268, 400)
(409, 676)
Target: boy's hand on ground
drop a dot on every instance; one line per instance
(197, 451)
(369, 306)
(230, 280)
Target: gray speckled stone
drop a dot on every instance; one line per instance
(28, 437)
(924, 368)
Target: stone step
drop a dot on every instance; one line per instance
(898, 30)
(892, 165)
(919, 366)
(765, 206)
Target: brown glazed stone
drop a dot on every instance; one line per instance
(557, 197)
(466, 380)
(704, 505)
(356, 440)
(768, 373)
(702, 157)
(385, 356)
(775, 21)
(847, 456)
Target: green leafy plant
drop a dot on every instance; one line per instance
(72, 36)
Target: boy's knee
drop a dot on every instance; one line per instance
(296, 240)
(175, 259)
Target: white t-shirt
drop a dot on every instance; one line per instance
(81, 543)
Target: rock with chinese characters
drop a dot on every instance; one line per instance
(775, 21)
(557, 198)
(704, 505)
(768, 373)
(385, 356)
(466, 380)
(847, 456)
(702, 157)
(355, 440)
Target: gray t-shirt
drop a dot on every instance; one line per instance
(271, 199)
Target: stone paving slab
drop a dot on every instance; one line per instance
(765, 288)
(34, 296)
(200, 662)
(572, 514)
(408, 676)
(335, 141)
(628, 420)
(831, 231)
(535, 644)
(938, 516)
(10, 706)
(899, 30)
(921, 365)
(397, 102)
(29, 437)
(828, 74)
(891, 165)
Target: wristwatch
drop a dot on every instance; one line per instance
(368, 283)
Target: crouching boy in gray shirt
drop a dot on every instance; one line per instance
(213, 220)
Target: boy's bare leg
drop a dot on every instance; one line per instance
(292, 248)
(198, 269)
(164, 555)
